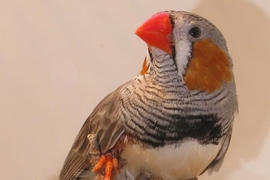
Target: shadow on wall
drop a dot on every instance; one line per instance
(246, 28)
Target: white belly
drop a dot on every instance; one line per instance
(169, 162)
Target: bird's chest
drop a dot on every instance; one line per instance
(157, 118)
(169, 162)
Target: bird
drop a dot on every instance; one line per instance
(174, 119)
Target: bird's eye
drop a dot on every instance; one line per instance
(195, 32)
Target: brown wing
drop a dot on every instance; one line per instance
(104, 121)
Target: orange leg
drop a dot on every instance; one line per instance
(111, 164)
(115, 164)
(99, 164)
(108, 167)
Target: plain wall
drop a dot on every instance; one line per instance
(59, 58)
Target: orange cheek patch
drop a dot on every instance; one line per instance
(144, 67)
(208, 67)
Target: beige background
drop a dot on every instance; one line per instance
(59, 58)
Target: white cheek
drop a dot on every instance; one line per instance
(182, 54)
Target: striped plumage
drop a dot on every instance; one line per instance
(166, 122)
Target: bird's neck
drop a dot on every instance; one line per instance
(164, 71)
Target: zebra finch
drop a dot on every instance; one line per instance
(174, 119)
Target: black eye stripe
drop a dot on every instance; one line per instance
(172, 41)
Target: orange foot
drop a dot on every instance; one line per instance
(111, 164)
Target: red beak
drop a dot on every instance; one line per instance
(156, 31)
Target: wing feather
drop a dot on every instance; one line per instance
(106, 124)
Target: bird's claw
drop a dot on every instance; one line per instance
(110, 163)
